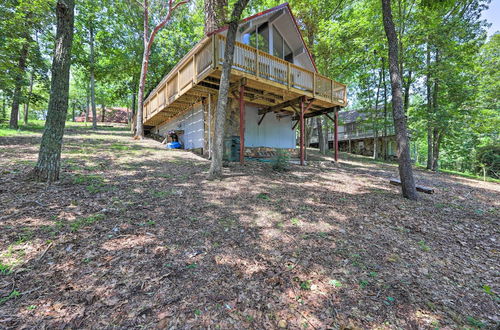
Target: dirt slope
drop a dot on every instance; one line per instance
(135, 236)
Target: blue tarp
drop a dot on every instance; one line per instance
(173, 145)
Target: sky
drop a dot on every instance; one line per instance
(492, 15)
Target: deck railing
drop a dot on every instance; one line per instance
(248, 60)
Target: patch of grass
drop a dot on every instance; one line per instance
(87, 221)
(295, 221)
(423, 246)
(118, 146)
(4, 269)
(335, 283)
(264, 196)
(162, 193)
(14, 294)
(475, 323)
(306, 285)
(363, 283)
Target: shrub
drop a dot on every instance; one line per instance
(281, 161)
(488, 159)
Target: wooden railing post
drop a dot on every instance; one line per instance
(195, 80)
(314, 83)
(214, 51)
(288, 75)
(331, 91)
(257, 73)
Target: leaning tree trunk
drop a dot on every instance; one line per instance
(16, 97)
(220, 111)
(428, 84)
(49, 157)
(405, 169)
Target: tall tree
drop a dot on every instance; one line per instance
(49, 157)
(148, 39)
(220, 111)
(404, 160)
(215, 15)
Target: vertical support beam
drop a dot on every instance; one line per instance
(336, 137)
(242, 124)
(302, 129)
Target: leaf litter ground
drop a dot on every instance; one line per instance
(135, 236)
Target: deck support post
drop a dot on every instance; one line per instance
(242, 124)
(302, 129)
(336, 135)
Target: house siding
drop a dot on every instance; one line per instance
(271, 133)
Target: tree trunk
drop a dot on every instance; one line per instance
(215, 15)
(321, 136)
(49, 157)
(405, 169)
(27, 103)
(139, 129)
(18, 84)
(103, 114)
(375, 118)
(220, 111)
(429, 109)
(436, 136)
(92, 78)
(385, 109)
(87, 109)
(406, 104)
(73, 112)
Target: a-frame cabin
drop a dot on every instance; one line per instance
(274, 86)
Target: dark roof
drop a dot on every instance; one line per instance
(351, 116)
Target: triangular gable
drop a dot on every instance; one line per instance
(285, 6)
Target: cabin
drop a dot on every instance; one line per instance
(356, 135)
(109, 115)
(274, 87)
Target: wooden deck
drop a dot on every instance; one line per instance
(269, 81)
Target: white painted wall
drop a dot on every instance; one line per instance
(192, 124)
(272, 132)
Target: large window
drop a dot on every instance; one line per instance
(280, 47)
(258, 38)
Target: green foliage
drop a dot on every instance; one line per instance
(86, 221)
(306, 285)
(14, 294)
(423, 246)
(488, 158)
(281, 162)
(4, 269)
(475, 323)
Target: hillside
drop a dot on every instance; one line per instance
(135, 236)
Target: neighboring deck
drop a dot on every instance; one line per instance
(270, 83)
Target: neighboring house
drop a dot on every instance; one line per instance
(273, 71)
(111, 115)
(356, 135)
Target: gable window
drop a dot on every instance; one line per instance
(280, 47)
(258, 38)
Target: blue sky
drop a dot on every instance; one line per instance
(492, 15)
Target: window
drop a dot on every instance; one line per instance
(277, 44)
(280, 47)
(258, 38)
